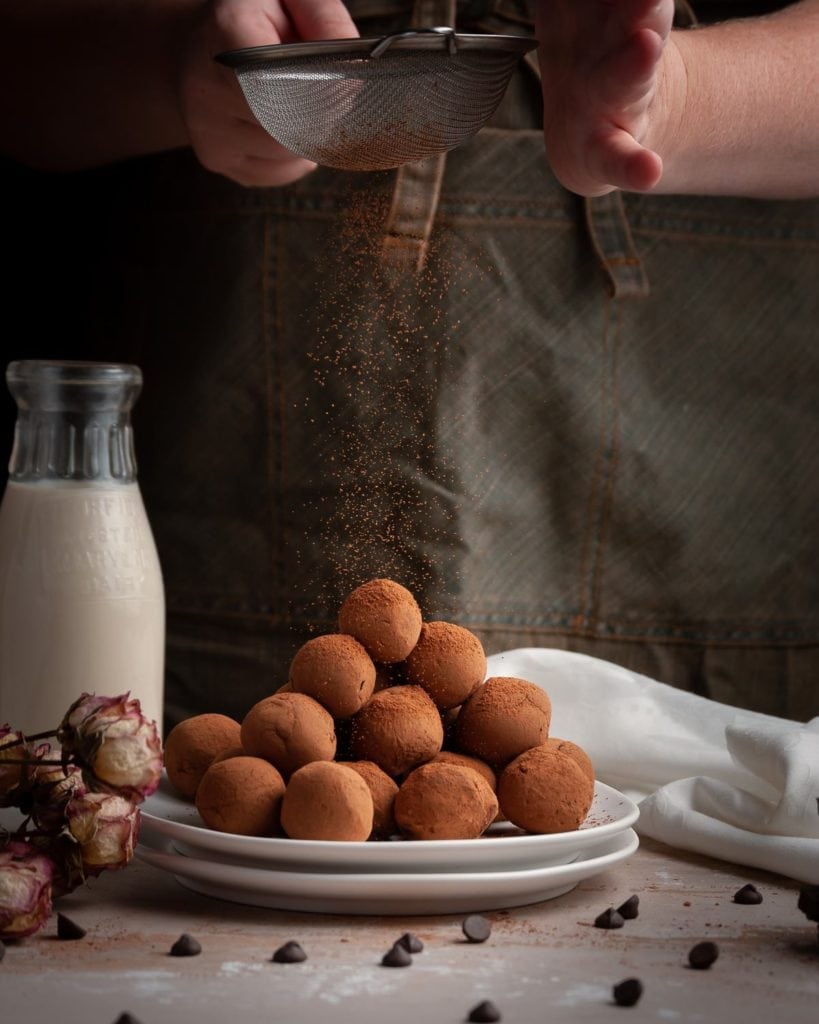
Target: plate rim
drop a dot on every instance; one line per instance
(275, 848)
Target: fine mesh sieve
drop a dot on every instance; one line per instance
(371, 104)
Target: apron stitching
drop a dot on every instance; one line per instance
(611, 472)
(580, 620)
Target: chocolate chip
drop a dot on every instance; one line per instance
(127, 1018)
(630, 909)
(484, 1012)
(290, 953)
(186, 945)
(396, 957)
(627, 992)
(748, 894)
(809, 901)
(68, 929)
(701, 956)
(411, 943)
(610, 918)
(476, 928)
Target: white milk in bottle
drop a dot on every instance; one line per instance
(82, 605)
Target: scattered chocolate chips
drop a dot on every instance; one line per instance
(290, 953)
(748, 894)
(484, 1012)
(186, 945)
(701, 956)
(68, 929)
(610, 918)
(630, 909)
(626, 993)
(476, 928)
(809, 902)
(411, 943)
(396, 957)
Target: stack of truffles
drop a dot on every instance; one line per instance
(384, 728)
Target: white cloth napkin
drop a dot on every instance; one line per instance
(733, 784)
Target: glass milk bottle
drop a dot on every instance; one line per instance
(82, 606)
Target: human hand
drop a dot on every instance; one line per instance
(611, 79)
(223, 133)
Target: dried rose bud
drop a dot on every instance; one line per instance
(12, 776)
(106, 826)
(51, 788)
(118, 748)
(25, 890)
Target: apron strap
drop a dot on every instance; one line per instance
(611, 237)
(608, 225)
(417, 184)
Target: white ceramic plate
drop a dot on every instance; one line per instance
(387, 893)
(504, 847)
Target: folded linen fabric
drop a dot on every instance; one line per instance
(733, 784)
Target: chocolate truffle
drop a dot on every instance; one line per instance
(238, 751)
(444, 801)
(398, 729)
(327, 800)
(289, 730)
(241, 795)
(336, 671)
(382, 790)
(481, 767)
(503, 718)
(448, 662)
(576, 753)
(545, 790)
(384, 617)
(465, 761)
(191, 747)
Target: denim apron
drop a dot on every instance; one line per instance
(586, 424)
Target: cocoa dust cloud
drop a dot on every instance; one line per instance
(333, 755)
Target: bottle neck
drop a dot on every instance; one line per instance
(70, 446)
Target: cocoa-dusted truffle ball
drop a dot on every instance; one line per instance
(448, 661)
(290, 730)
(327, 800)
(241, 795)
(398, 729)
(444, 801)
(384, 617)
(545, 790)
(578, 754)
(226, 755)
(191, 747)
(382, 790)
(336, 671)
(503, 718)
(465, 761)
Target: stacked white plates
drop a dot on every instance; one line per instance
(504, 868)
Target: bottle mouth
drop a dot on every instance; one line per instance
(72, 372)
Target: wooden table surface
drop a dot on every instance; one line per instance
(542, 963)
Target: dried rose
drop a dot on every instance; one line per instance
(25, 890)
(51, 788)
(12, 776)
(106, 827)
(118, 748)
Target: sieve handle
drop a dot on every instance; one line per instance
(442, 30)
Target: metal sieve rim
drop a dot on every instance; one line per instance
(405, 41)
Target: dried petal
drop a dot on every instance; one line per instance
(106, 826)
(25, 890)
(118, 748)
